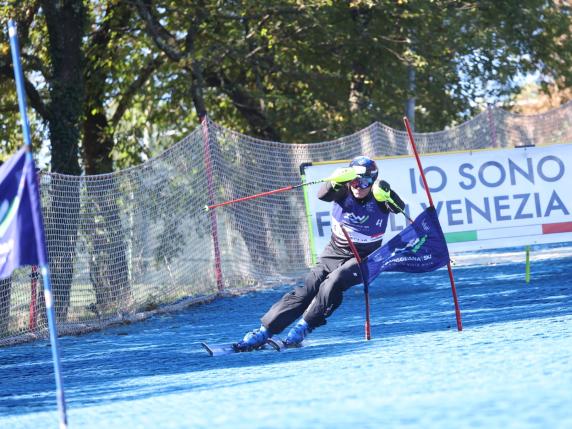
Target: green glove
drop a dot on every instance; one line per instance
(381, 191)
(342, 175)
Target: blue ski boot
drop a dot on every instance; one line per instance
(253, 340)
(297, 334)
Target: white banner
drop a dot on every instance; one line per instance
(485, 199)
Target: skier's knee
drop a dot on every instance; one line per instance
(312, 280)
(297, 295)
(334, 293)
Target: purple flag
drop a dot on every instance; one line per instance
(419, 248)
(21, 228)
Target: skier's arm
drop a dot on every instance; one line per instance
(335, 188)
(328, 193)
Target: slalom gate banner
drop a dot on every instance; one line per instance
(19, 236)
(484, 199)
(419, 248)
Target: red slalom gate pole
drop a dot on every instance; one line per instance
(451, 278)
(365, 284)
(262, 194)
(210, 188)
(33, 294)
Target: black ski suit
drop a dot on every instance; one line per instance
(337, 269)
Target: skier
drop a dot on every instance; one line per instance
(361, 205)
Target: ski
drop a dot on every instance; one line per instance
(280, 345)
(219, 349)
(230, 348)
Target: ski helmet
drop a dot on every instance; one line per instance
(366, 167)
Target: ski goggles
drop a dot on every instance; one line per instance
(361, 182)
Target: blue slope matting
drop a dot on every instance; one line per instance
(510, 367)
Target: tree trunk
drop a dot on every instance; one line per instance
(61, 232)
(65, 21)
(106, 241)
(97, 143)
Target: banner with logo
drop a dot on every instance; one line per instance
(19, 234)
(484, 199)
(419, 248)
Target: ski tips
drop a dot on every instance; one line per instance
(207, 348)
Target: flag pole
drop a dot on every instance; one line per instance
(38, 225)
(451, 278)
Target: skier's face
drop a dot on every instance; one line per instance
(359, 192)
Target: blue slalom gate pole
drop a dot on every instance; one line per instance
(39, 228)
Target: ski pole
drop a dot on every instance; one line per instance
(400, 211)
(365, 284)
(263, 194)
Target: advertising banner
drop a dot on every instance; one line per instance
(484, 199)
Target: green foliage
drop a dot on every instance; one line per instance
(286, 70)
(10, 132)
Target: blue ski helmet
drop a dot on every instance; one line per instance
(369, 169)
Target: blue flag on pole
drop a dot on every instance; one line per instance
(419, 248)
(21, 234)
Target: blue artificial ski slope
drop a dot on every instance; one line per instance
(511, 367)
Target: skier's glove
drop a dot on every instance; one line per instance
(342, 175)
(381, 191)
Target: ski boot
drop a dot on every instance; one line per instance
(253, 340)
(297, 334)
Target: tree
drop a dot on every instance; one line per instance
(282, 70)
(61, 64)
(104, 75)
